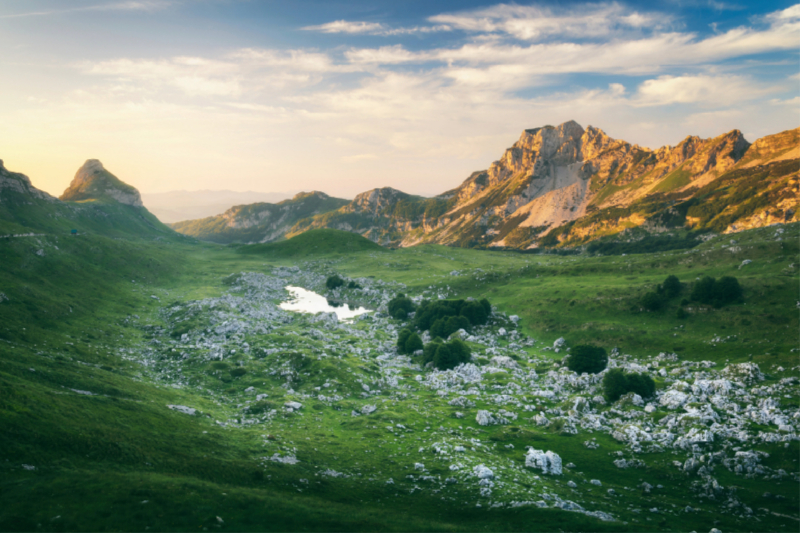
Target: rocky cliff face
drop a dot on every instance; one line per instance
(94, 182)
(19, 183)
(568, 185)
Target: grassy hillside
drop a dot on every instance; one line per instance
(98, 336)
(313, 243)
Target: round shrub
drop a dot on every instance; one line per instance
(703, 290)
(614, 384)
(587, 358)
(413, 343)
(238, 372)
(400, 306)
(652, 301)
(727, 290)
(402, 337)
(671, 286)
(333, 282)
(641, 384)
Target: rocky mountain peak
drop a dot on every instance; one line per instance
(93, 182)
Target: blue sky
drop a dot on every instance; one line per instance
(347, 96)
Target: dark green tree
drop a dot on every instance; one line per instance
(587, 358)
(727, 290)
(652, 301)
(475, 313)
(703, 290)
(641, 384)
(460, 350)
(400, 306)
(333, 282)
(671, 286)
(455, 323)
(413, 343)
(486, 306)
(615, 384)
(402, 338)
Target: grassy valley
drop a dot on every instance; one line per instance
(101, 336)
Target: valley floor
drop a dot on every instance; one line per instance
(159, 386)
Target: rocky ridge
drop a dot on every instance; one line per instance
(567, 185)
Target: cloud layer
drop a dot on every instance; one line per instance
(422, 117)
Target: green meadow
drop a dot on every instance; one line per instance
(91, 355)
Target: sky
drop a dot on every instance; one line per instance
(346, 96)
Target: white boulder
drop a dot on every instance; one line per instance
(548, 462)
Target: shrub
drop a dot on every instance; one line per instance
(681, 313)
(717, 293)
(727, 290)
(614, 384)
(703, 290)
(486, 306)
(353, 285)
(413, 343)
(652, 301)
(400, 306)
(641, 384)
(238, 372)
(671, 286)
(617, 383)
(402, 337)
(587, 358)
(333, 282)
(445, 355)
(475, 313)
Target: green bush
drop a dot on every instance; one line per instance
(400, 306)
(402, 337)
(475, 313)
(413, 343)
(727, 290)
(717, 293)
(353, 285)
(334, 282)
(587, 358)
(681, 313)
(445, 355)
(238, 372)
(444, 327)
(652, 301)
(617, 383)
(671, 286)
(641, 384)
(703, 290)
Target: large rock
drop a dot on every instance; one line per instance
(548, 462)
(673, 399)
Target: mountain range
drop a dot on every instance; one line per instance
(556, 187)
(561, 186)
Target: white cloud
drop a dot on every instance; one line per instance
(372, 28)
(718, 90)
(534, 22)
(344, 26)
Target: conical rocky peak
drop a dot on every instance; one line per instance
(93, 182)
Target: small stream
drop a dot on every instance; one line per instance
(305, 301)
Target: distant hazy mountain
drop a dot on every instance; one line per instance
(176, 206)
(259, 222)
